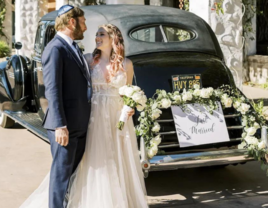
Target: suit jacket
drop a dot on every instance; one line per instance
(66, 87)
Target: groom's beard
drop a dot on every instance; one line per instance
(78, 33)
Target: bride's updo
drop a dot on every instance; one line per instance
(118, 50)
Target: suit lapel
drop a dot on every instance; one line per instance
(68, 47)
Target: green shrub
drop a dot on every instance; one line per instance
(4, 49)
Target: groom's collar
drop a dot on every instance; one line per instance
(66, 38)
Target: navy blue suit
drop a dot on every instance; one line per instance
(67, 89)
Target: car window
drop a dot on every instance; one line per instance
(50, 33)
(162, 33)
(39, 37)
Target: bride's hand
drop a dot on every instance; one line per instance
(130, 113)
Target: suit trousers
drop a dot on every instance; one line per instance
(64, 163)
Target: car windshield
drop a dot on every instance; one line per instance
(162, 33)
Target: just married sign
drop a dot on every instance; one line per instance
(196, 126)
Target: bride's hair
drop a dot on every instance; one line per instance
(117, 53)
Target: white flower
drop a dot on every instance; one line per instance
(244, 134)
(252, 118)
(218, 93)
(142, 114)
(164, 93)
(129, 91)
(156, 127)
(242, 145)
(262, 145)
(136, 88)
(251, 140)
(122, 90)
(210, 91)
(228, 102)
(244, 121)
(143, 100)
(242, 98)
(256, 125)
(154, 106)
(156, 140)
(187, 96)
(177, 98)
(243, 108)
(156, 113)
(196, 86)
(251, 131)
(205, 93)
(152, 151)
(197, 92)
(165, 103)
(224, 96)
(137, 97)
(236, 104)
(140, 108)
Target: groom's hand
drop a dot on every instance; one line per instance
(62, 136)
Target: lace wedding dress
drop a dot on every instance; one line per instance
(109, 174)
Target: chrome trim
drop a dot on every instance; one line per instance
(143, 153)
(167, 133)
(165, 120)
(201, 159)
(234, 127)
(231, 116)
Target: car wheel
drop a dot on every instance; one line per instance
(5, 121)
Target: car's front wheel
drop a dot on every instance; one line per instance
(5, 121)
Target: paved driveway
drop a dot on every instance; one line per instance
(25, 160)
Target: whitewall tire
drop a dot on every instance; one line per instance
(5, 121)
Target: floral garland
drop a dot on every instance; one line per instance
(251, 114)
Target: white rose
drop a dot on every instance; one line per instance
(177, 98)
(164, 93)
(196, 86)
(218, 93)
(243, 108)
(137, 97)
(224, 96)
(136, 88)
(156, 127)
(262, 145)
(242, 98)
(228, 102)
(187, 96)
(256, 125)
(242, 145)
(156, 113)
(140, 108)
(210, 90)
(155, 141)
(204, 93)
(122, 90)
(197, 92)
(244, 134)
(129, 91)
(151, 152)
(236, 104)
(252, 118)
(244, 121)
(165, 103)
(142, 114)
(154, 106)
(251, 131)
(251, 140)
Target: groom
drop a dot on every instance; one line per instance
(68, 91)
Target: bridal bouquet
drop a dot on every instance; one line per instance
(133, 97)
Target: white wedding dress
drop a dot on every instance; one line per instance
(109, 174)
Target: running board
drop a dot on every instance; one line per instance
(30, 121)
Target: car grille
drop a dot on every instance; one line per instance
(170, 142)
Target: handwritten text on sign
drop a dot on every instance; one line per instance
(196, 126)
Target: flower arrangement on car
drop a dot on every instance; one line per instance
(251, 114)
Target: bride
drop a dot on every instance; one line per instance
(109, 174)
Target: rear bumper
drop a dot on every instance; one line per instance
(201, 159)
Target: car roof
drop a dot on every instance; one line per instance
(129, 17)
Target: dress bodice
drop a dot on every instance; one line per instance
(101, 87)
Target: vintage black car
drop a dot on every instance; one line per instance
(161, 42)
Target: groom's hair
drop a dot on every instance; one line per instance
(62, 20)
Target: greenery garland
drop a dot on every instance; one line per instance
(252, 118)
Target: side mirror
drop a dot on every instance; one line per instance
(18, 45)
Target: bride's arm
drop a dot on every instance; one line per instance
(129, 71)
